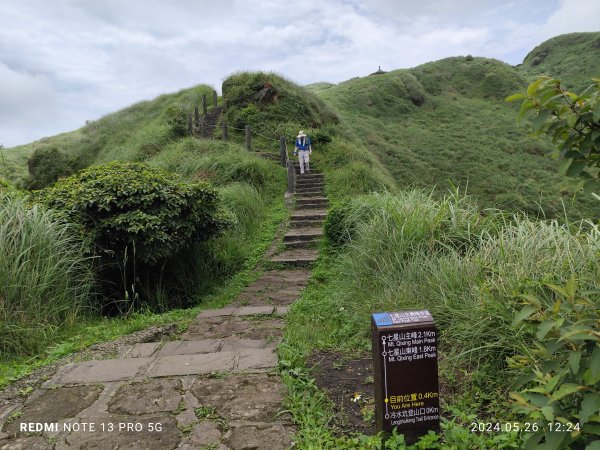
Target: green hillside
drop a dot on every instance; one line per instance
(446, 123)
(389, 147)
(573, 57)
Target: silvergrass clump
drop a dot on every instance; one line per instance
(410, 251)
(45, 281)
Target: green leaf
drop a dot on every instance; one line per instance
(564, 390)
(524, 314)
(571, 287)
(554, 440)
(597, 112)
(553, 382)
(589, 186)
(575, 169)
(589, 406)
(535, 85)
(564, 165)
(574, 360)
(593, 446)
(595, 362)
(540, 120)
(514, 97)
(548, 413)
(544, 328)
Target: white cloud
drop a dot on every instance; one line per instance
(85, 58)
(574, 15)
(25, 98)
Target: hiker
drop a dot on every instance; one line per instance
(303, 149)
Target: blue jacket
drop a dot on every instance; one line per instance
(305, 146)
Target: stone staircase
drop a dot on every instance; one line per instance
(211, 119)
(213, 386)
(306, 224)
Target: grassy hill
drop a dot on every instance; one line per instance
(389, 248)
(573, 57)
(446, 123)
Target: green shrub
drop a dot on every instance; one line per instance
(6, 186)
(45, 279)
(133, 206)
(47, 165)
(561, 395)
(176, 118)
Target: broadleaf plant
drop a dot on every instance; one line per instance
(562, 396)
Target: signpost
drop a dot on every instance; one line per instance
(405, 371)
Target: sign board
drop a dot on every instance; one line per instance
(405, 372)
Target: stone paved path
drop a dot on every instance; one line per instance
(214, 387)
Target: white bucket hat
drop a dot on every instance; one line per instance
(301, 134)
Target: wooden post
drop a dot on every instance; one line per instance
(196, 116)
(248, 139)
(224, 125)
(282, 152)
(204, 104)
(215, 98)
(203, 127)
(291, 174)
(190, 126)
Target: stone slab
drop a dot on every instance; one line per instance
(253, 310)
(232, 345)
(296, 257)
(166, 439)
(54, 405)
(251, 397)
(149, 397)
(192, 364)
(253, 359)
(143, 350)
(282, 310)
(267, 436)
(215, 312)
(189, 347)
(226, 327)
(97, 371)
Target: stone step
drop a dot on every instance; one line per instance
(301, 244)
(310, 186)
(312, 176)
(302, 200)
(303, 234)
(296, 257)
(310, 193)
(309, 214)
(241, 311)
(311, 205)
(306, 223)
(306, 183)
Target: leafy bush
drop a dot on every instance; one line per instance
(573, 123)
(6, 186)
(45, 279)
(264, 100)
(133, 206)
(47, 165)
(176, 118)
(562, 395)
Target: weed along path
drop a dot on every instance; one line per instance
(214, 386)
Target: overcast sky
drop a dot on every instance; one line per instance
(67, 61)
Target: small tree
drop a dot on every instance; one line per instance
(573, 123)
(136, 216)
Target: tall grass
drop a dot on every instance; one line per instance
(45, 281)
(466, 266)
